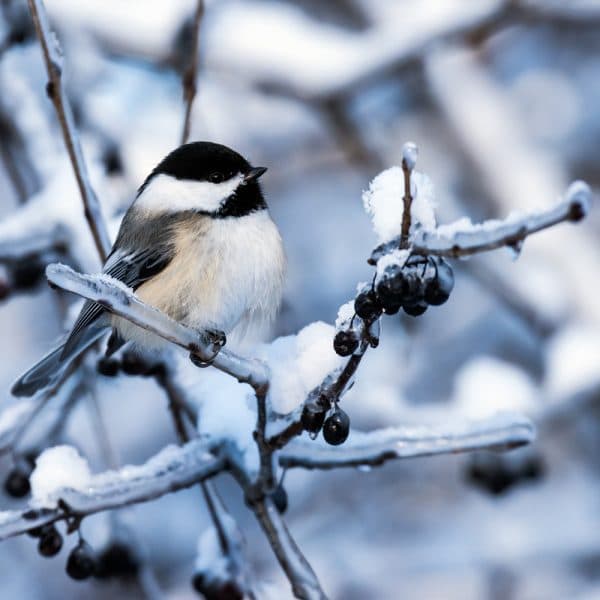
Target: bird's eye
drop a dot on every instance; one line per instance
(216, 177)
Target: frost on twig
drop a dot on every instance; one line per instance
(502, 432)
(121, 300)
(170, 470)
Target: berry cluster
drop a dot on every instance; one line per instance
(116, 560)
(336, 426)
(413, 286)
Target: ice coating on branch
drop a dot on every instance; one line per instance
(299, 363)
(410, 153)
(486, 386)
(383, 202)
(56, 468)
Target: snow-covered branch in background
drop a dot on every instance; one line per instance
(79, 493)
(503, 432)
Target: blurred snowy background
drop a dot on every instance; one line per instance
(503, 99)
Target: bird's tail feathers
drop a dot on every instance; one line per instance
(50, 368)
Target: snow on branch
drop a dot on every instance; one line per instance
(172, 469)
(463, 238)
(502, 432)
(120, 300)
(57, 94)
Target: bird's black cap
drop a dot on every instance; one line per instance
(208, 161)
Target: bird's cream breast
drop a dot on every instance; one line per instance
(223, 271)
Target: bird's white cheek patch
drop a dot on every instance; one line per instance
(168, 194)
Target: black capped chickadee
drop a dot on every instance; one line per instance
(197, 243)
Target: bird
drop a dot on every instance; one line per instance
(197, 243)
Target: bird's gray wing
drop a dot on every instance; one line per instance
(154, 250)
(132, 270)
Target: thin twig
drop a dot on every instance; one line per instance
(190, 75)
(57, 93)
(407, 199)
(304, 582)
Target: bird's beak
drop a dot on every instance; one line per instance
(253, 174)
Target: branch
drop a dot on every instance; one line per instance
(457, 240)
(170, 470)
(57, 93)
(121, 301)
(300, 574)
(373, 449)
(191, 72)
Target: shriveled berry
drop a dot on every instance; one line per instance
(415, 310)
(116, 560)
(312, 418)
(336, 427)
(81, 562)
(438, 289)
(50, 541)
(367, 306)
(109, 367)
(345, 342)
(280, 499)
(16, 483)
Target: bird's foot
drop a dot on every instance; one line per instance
(215, 339)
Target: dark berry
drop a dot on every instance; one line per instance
(109, 367)
(367, 306)
(280, 499)
(389, 289)
(439, 288)
(132, 364)
(50, 541)
(312, 418)
(116, 560)
(336, 428)
(412, 287)
(112, 161)
(27, 274)
(16, 483)
(415, 310)
(345, 342)
(215, 589)
(81, 562)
